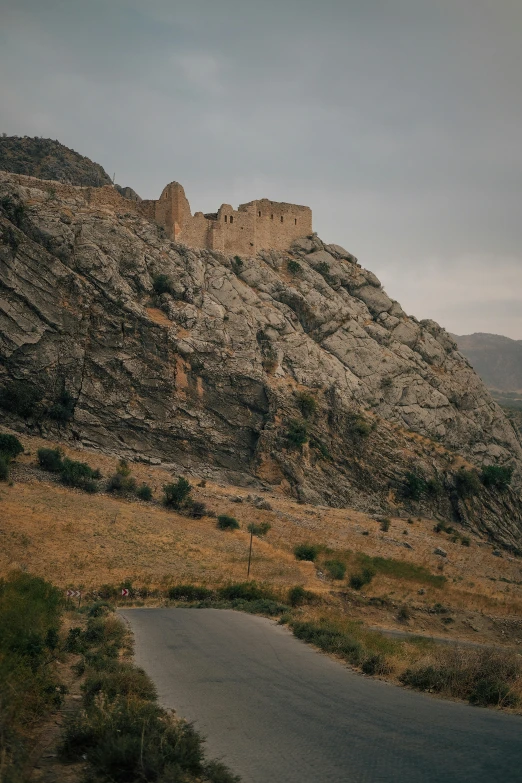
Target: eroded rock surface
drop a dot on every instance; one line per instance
(210, 376)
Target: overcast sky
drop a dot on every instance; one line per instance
(399, 122)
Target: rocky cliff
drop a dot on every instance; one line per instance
(291, 368)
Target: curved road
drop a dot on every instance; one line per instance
(276, 711)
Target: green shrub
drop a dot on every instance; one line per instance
(259, 528)
(79, 475)
(399, 569)
(493, 690)
(10, 446)
(293, 267)
(467, 483)
(323, 269)
(144, 492)
(30, 616)
(224, 522)
(4, 468)
(50, 459)
(297, 433)
(177, 493)
(327, 637)
(358, 581)
(121, 484)
(244, 591)
(358, 426)
(376, 664)
(307, 404)
(162, 284)
(190, 593)
(497, 476)
(20, 397)
(63, 409)
(336, 569)
(237, 265)
(306, 552)
(385, 525)
(122, 681)
(297, 596)
(414, 486)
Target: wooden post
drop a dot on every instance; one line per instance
(250, 551)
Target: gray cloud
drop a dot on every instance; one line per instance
(397, 121)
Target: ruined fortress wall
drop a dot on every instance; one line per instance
(238, 230)
(279, 224)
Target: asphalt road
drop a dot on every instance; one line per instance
(276, 711)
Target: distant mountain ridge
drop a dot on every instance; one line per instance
(497, 359)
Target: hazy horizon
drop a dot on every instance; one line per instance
(397, 122)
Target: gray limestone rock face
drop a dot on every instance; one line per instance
(210, 376)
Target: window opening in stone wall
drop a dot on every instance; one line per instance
(225, 218)
(281, 218)
(295, 221)
(271, 217)
(259, 213)
(231, 219)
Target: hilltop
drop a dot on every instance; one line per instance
(497, 359)
(289, 369)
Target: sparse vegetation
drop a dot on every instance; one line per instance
(298, 596)
(63, 409)
(20, 398)
(467, 483)
(259, 528)
(414, 486)
(30, 611)
(10, 446)
(79, 475)
(225, 522)
(385, 525)
(144, 492)
(121, 482)
(297, 433)
(307, 404)
(294, 267)
(497, 476)
(358, 426)
(177, 493)
(237, 265)
(162, 284)
(306, 552)
(358, 581)
(335, 569)
(50, 459)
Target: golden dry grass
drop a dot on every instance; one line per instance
(80, 540)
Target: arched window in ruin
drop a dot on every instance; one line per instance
(259, 213)
(281, 218)
(231, 218)
(295, 221)
(225, 218)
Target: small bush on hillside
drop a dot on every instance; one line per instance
(50, 459)
(259, 528)
(79, 475)
(329, 638)
(162, 284)
(358, 426)
(10, 446)
(4, 468)
(177, 493)
(237, 265)
(336, 569)
(63, 409)
(297, 596)
(294, 267)
(144, 492)
(358, 581)
(224, 522)
(307, 404)
(121, 485)
(498, 476)
(196, 509)
(467, 483)
(414, 486)
(306, 552)
(20, 397)
(297, 433)
(385, 525)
